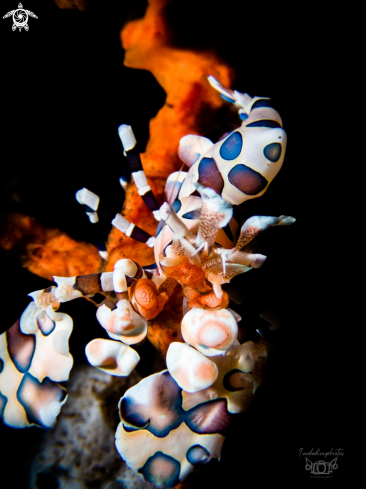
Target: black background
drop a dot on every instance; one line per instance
(64, 93)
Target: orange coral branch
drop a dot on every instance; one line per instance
(48, 251)
(189, 107)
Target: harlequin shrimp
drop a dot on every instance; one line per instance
(197, 246)
(237, 168)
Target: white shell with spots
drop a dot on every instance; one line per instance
(255, 139)
(48, 362)
(52, 357)
(176, 444)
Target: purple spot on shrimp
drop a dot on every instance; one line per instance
(231, 147)
(197, 454)
(159, 228)
(235, 381)
(209, 417)
(209, 175)
(262, 103)
(21, 347)
(176, 205)
(264, 123)
(45, 323)
(161, 470)
(154, 404)
(247, 180)
(3, 401)
(41, 400)
(272, 152)
(195, 214)
(227, 99)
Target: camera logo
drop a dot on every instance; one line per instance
(321, 467)
(323, 463)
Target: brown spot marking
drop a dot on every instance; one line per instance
(209, 223)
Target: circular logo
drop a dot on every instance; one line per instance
(20, 17)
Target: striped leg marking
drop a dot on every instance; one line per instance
(69, 288)
(91, 204)
(134, 162)
(133, 231)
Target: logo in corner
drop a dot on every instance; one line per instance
(322, 467)
(20, 17)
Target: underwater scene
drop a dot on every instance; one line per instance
(166, 321)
